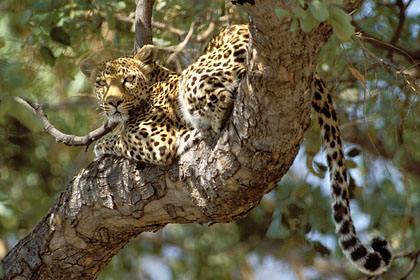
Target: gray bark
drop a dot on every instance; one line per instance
(143, 24)
(113, 199)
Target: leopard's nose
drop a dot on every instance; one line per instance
(114, 101)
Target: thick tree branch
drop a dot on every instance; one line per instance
(67, 139)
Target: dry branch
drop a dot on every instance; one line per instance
(67, 139)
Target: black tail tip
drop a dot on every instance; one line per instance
(380, 245)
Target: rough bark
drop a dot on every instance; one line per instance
(143, 24)
(113, 199)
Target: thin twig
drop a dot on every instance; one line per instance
(414, 256)
(207, 33)
(181, 46)
(410, 55)
(67, 139)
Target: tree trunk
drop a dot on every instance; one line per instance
(113, 199)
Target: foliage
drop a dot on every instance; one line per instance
(41, 45)
(318, 11)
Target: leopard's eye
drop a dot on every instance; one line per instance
(101, 83)
(129, 79)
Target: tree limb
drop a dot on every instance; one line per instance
(67, 139)
(143, 24)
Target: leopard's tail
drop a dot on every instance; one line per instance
(374, 260)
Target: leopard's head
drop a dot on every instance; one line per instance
(123, 83)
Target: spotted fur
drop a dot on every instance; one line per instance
(208, 86)
(371, 262)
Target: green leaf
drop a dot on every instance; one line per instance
(299, 12)
(47, 55)
(351, 164)
(308, 22)
(319, 10)
(294, 27)
(341, 23)
(59, 35)
(282, 13)
(354, 152)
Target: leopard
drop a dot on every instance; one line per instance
(166, 111)
(151, 130)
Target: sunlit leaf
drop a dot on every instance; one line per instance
(341, 23)
(357, 75)
(299, 12)
(351, 164)
(308, 22)
(319, 10)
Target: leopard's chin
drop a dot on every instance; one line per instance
(117, 117)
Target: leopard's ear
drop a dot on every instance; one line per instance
(88, 68)
(147, 54)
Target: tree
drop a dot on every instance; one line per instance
(113, 200)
